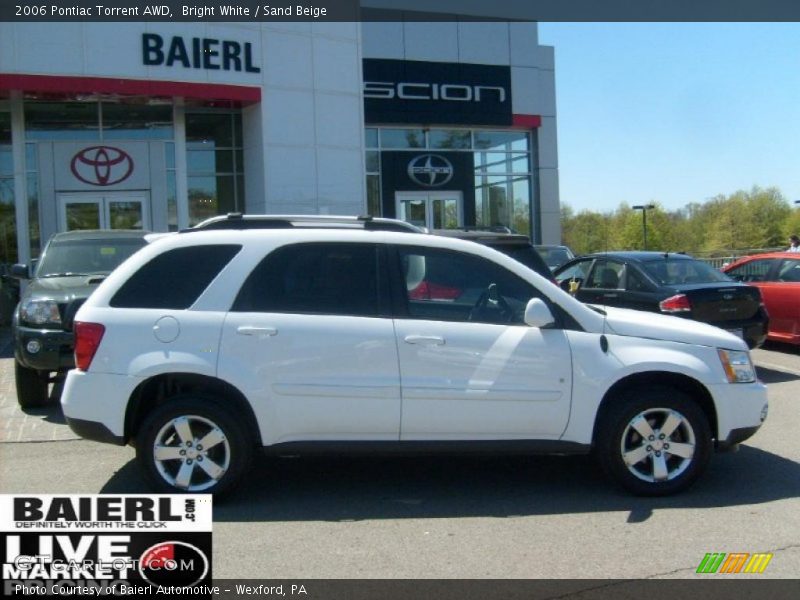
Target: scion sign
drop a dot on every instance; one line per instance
(401, 91)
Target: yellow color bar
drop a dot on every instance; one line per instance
(758, 563)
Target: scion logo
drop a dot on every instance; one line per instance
(430, 170)
(101, 165)
(173, 564)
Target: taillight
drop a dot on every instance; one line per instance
(674, 304)
(87, 340)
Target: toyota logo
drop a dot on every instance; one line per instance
(430, 170)
(101, 165)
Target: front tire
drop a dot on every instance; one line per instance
(31, 387)
(654, 442)
(194, 444)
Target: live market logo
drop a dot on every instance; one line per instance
(105, 545)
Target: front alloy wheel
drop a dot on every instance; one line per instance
(654, 442)
(658, 445)
(194, 444)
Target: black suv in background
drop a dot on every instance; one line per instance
(515, 245)
(70, 268)
(554, 256)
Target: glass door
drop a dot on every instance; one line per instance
(122, 210)
(434, 210)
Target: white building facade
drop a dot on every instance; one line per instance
(161, 125)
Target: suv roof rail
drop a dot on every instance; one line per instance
(488, 229)
(481, 233)
(237, 220)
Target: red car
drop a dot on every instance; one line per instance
(777, 275)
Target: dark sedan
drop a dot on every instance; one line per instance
(667, 283)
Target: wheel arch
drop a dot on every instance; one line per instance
(158, 390)
(659, 379)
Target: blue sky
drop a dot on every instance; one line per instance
(675, 112)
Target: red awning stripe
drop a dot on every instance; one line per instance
(531, 121)
(129, 87)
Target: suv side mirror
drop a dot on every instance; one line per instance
(537, 314)
(20, 271)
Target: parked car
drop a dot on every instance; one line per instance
(777, 276)
(72, 265)
(515, 245)
(206, 346)
(554, 256)
(668, 283)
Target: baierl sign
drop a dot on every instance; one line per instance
(198, 53)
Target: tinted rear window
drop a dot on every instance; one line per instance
(317, 278)
(680, 271)
(174, 279)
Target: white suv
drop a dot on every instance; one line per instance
(207, 345)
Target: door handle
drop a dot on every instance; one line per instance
(427, 340)
(610, 295)
(259, 331)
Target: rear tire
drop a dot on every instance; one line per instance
(194, 444)
(31, 387)
(654, 442)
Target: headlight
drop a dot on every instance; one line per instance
(40, 312)
(737, 366)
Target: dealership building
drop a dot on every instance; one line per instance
(159, 125)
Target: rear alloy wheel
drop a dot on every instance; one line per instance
(31, 387)
(194, 444)
(654, 443)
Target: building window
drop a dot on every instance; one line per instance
(214, 160)
(127, 119)
(172, 187)
(62, 121)
(131, 121)
(502, 162)
(402, 139)
(373, 168)
(503, 179)
(32, 189)
(8, 218)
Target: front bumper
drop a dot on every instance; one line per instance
(741, 410)
(56, 348)
(737, 436)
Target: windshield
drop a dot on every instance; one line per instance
(677, 271)
(86, 257)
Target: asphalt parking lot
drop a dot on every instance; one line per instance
(531, 517)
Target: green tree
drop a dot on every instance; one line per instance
(586, 232)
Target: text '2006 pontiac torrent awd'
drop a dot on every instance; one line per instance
(208, 345)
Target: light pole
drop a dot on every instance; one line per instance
(644, 208)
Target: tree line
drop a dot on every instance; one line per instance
(761, 218)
